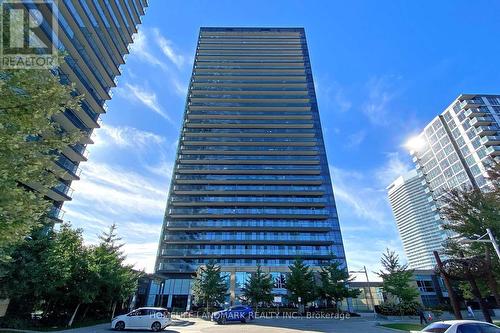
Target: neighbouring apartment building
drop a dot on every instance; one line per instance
(96, 36)
(416, 220)
(251, 184)
(453, 150)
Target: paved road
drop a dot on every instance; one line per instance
(274, 325)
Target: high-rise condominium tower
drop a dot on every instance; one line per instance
(95, 34)
(416, 220)
(455, 150)
(251, 184)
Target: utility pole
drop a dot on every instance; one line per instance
(481, 239)
(493, 241)
(451, 293)
(369, 287)
(370, 291)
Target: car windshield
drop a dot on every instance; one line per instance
(436, 328)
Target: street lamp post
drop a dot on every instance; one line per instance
(369, 287)
(481, 239)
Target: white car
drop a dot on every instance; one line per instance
(460, 326)
(155, 319)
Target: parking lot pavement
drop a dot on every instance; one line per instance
(266, 325)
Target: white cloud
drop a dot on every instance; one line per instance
(332, 95)
(167, 48)
(355, 139)
(126, 137)
(365, 216)
(394, 167)
(148, 98)
(115, 192)
(179, 88)
(140, 239)
(141, 255)
(361, 252)
(140, 48)
(381, 92)
(358, 198)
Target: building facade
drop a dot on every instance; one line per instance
(251, 184)
(95, 35)
(370, 294)
(454, 150)
(416, 219)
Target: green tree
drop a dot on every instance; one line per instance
(117, 281)
(29, 139)
(23, 276)
(397, 278)
(56, 273)
(50, 272)
(300, 283)
(469, 212)
(71, 273)
(210, 286)
(258, 288)
(335, 283)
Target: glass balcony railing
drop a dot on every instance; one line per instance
(250, 224)
(209, 200)
(236, 211)
(170, 252)
(68, 165)
(271, 236)
(56, 213)
(80, 148)
(63, 189)
(183, 265)
(470, 103)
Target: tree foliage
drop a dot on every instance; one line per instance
(468, 212)
(56, 272)
(258, 288)
(335, 282)
(29, 139)
(397, 278)
(210, 286)
(300, 282)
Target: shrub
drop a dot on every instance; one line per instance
(398, 309)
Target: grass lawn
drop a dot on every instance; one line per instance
(404, 326)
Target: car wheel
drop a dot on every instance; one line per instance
(221, 320)
(156, 327)
(244, 319)
(120, 326)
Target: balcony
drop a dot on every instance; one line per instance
(63, 190)
(490, 140)
(493, 150)
(476, 112)
(487, 130)
(56, 213)
(67, 165)
(470, 103)
(481, 121)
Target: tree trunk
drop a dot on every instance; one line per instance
(113, 310)
(85, 312)
(451, 292)
(492, 283)
(207, 307)
(74, 315)
(477, 294)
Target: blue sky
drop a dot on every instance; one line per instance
(382, 70)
